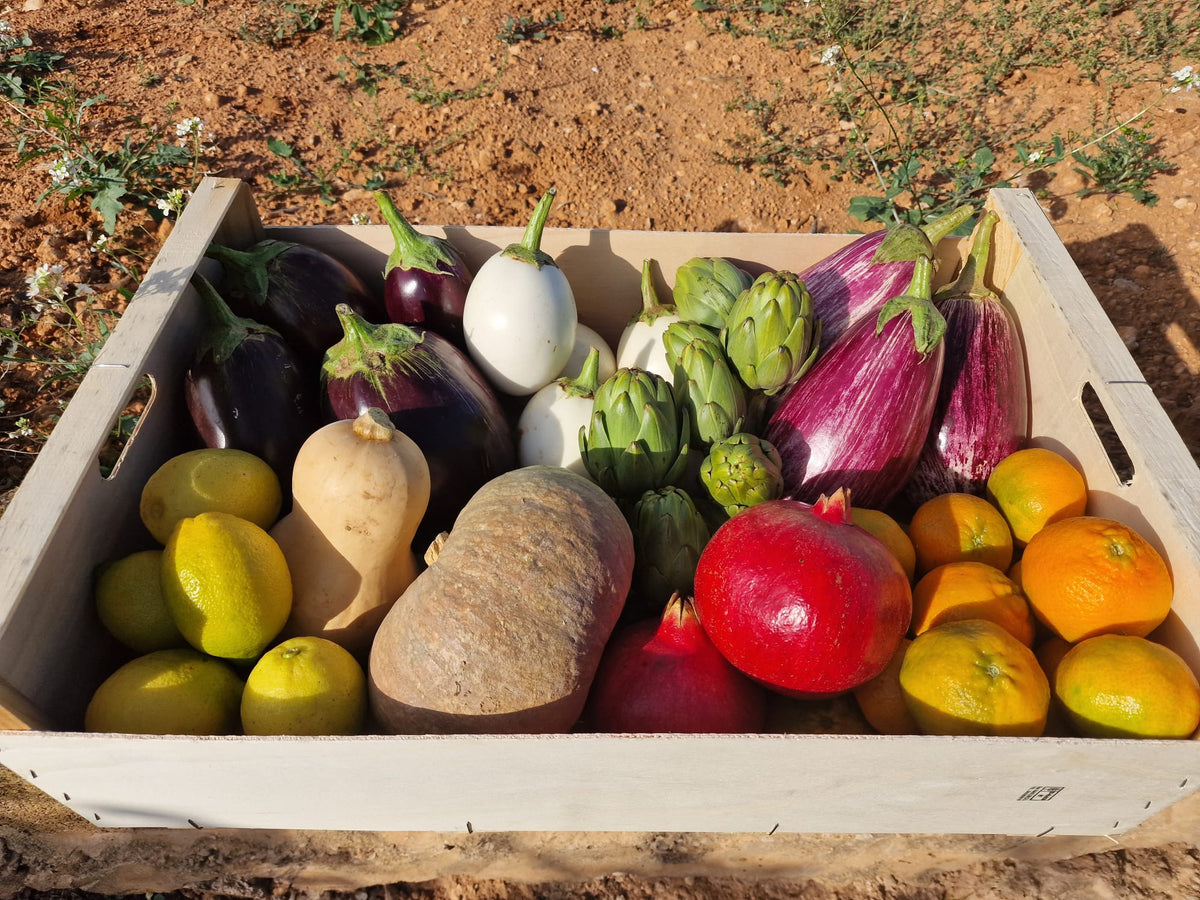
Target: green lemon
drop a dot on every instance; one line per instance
(226, 584)
(305, 685)
(210, 480)
(130, 602)
(178, 691)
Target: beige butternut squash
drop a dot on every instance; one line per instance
(504, 631)
(359, 490)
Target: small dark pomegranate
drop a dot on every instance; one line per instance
(665, 675)
(800, 598)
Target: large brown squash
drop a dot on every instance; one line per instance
(503, 632)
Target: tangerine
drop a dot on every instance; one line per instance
(894, 537)
(971, 590)
(1117, 685)
(1088, 575)
(956, 527)
(882, 701)
(973, 677)
(1034, 487)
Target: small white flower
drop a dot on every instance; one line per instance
(46, 281)
(1034, 156)
(100, 244)
(190, 126)
(360, 219)
(24, 429)
(1185, 79)
(832, 56)
(189, 130)
(84, 290)
(173, 202)
(8, 39)
(66, 171)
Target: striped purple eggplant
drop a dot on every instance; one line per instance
(982, 413)
(858, 279)
(858, 418)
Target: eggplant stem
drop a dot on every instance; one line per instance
(971, 281)
(247, 269)
(529, 250)
(589, 377)
(226, 329)
(412, 250)
(942, 226)
(928, 324)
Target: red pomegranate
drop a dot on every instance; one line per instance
(666, 676)
(800, 598)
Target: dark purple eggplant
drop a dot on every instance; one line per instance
(425, 278)
(294, 289)
(858, 419)
(982, 412)
(433, 393)
(247, 389)
(855, 281)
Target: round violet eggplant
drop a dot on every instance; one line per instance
(433, 393)
(425, 278)
(246, 388)
(294, 288)
(858, 419)
(982, 412)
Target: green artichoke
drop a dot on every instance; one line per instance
(705, 383)
(741, 471)
(668, 534)
(706, 288)
(772, 333)
(637, 439)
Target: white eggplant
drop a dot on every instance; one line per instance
(548, 428)
(585, 339)
(641, 344)
(519, 317)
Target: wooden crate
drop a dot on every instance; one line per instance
(67, 518)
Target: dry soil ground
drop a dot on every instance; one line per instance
(627, 107)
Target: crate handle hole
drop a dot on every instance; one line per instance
(1114, 448)
(125, 427)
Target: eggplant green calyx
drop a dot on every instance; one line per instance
(373, 352)
(970, 283)
(226, 330)
(652, 307)
(903, 243)
(247, 270)
(589, 377)
(529, 250)
(412, 250)
(928, 324)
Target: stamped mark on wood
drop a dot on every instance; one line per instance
(1041, 792)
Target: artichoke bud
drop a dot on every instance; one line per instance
(772, 332)
(705, 383)
(668, 533)
(637, 439)
(741, 471)
(706, 288)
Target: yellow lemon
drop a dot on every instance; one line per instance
(178, 691)
(973, 677)
(130, 602)
(1122, 685)
(210, 480)
(227, 585)
(305, 685)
